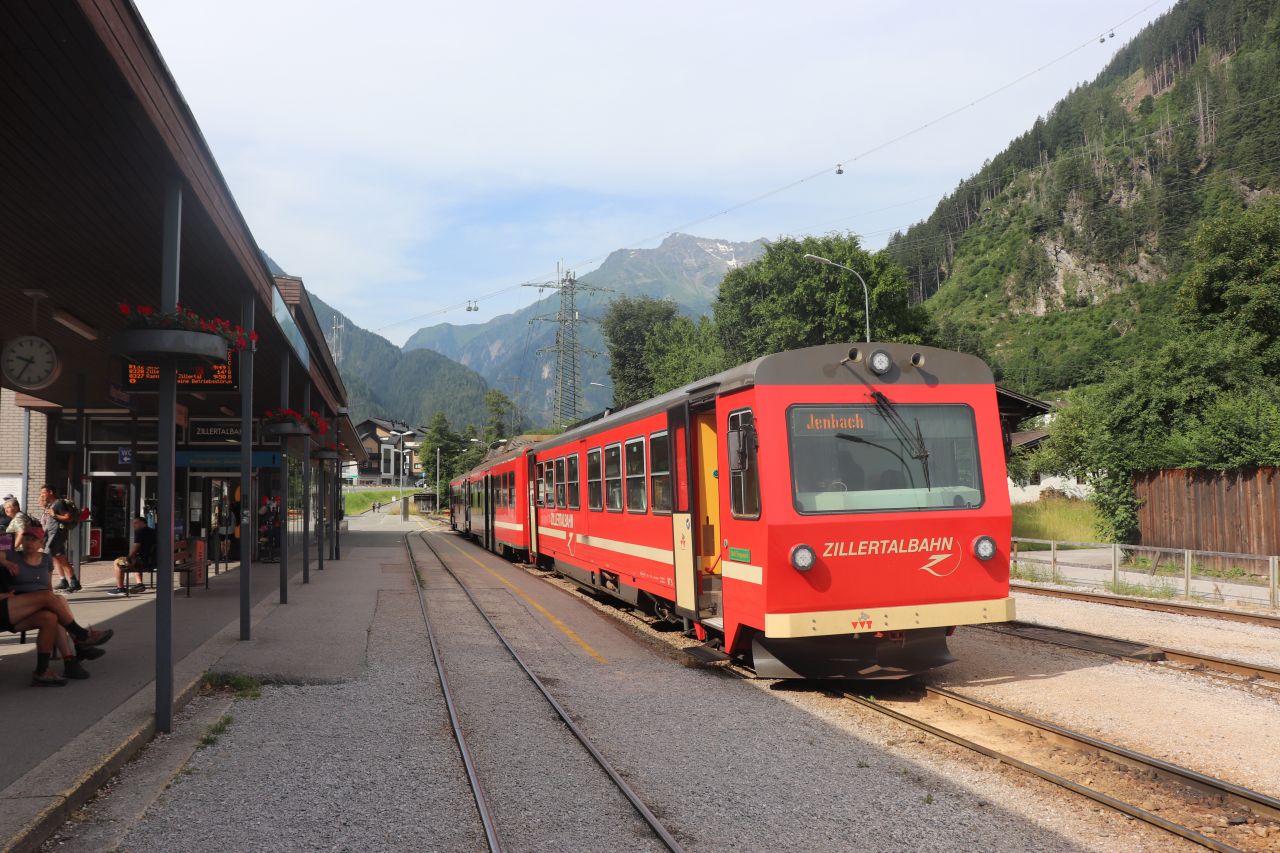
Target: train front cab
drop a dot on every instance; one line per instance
(837, 535)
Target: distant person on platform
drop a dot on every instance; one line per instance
(18, 522)
(57, 523)
(141, 557)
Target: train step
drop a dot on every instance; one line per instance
(706, 655)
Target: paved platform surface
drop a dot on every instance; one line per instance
(68, 737)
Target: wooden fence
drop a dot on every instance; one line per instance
(1236, 511)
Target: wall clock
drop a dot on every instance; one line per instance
(30, 362)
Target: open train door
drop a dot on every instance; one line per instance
(682, 531)
(532, 498)
(489, 539)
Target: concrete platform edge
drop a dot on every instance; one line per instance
(34, 806)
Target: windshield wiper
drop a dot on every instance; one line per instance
(913, 444)
(860, 440)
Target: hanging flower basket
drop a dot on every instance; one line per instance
(324, 455)
(285, 423)
(182, 337)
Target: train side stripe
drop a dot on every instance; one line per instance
(743, 572)
(643, 551)
(553, 532)
(507, 525)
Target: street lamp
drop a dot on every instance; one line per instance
(866, 294)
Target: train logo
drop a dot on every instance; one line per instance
(936, 559)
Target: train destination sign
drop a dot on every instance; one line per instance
(220, 377)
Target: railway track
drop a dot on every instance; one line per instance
(1244, 616)
(1210, 812)
(1127, 650)
(483, 807)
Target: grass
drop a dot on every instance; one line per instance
(1231, 573)
(1063, 519)
(1163, 589)
(243, 686)
(215, 729)
(358, 502)
(1032, 573)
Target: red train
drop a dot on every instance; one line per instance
(834, 512)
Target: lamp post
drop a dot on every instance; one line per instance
(866, 293)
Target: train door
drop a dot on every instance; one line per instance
(707, 519)
(531, 498)
(490, 505)
(683, 533)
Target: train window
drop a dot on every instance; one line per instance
(549, 483)
(571, 480)
(539, 484)
(744, 473)
(560, 483)
(884, 457)
(595, 497)
(637, 493)
(660, 473)
(511, 488)
(613, 478)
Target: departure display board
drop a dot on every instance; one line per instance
(223, 376)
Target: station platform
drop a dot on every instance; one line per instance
(62, 743)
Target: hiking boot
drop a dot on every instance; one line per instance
(48, 678)
(117, 592)
(96, 637)
(89, 652)
(75, 585)
(63, 585)
(73, 669)
(138, 587)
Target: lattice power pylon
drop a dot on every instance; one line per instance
(567, 349)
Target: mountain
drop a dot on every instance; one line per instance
(685, 269)
(382, 380)
(1062, 254)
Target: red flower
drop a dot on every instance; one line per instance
(146, 310)
(240, 342)
(253, 336)
(125, 309)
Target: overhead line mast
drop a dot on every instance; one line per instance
(567, 349)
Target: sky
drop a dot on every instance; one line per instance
(405, 157)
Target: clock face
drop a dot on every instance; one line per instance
(30, 363)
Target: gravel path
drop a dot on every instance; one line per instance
(365, 765)
(544, 789)
(735, 765)
(1255, 644)
(1215, 728)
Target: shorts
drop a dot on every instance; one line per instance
(5, 624)
(57, 545)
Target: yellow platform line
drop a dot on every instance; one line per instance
(568, 632)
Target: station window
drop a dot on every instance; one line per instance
(660, 473)
(613, 478)
(560, 483)
(539, 485)
(637, 493)
(744, 470)
(571, 480)
(594, 493)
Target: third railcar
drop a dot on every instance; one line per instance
(833, 511)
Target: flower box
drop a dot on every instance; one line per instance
(180, 346)
(286, 429)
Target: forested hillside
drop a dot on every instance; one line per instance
(1064, 252)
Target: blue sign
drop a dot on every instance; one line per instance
(124, 455)
(226, 459)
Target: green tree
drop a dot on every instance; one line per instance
(438, 436)
(626, 325)
(502, 416)
(783, 301)
(683, 351)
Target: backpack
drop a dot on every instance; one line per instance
(74, 512)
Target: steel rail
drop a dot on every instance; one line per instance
(1256, 803)
(649, 817)
(1157, 606)
(473, 778)
(1162, 654)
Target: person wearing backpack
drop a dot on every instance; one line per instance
(59, 518)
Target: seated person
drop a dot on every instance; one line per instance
(27, 604)
(18, 520)
(141, 556)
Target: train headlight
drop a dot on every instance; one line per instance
(880, 362)
(803, 557)
(984, 547)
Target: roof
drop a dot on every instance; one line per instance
(1028, 438)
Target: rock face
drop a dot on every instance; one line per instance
(685, 269)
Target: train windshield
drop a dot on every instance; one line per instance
(883, 457)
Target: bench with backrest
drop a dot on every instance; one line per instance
(189, 561)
